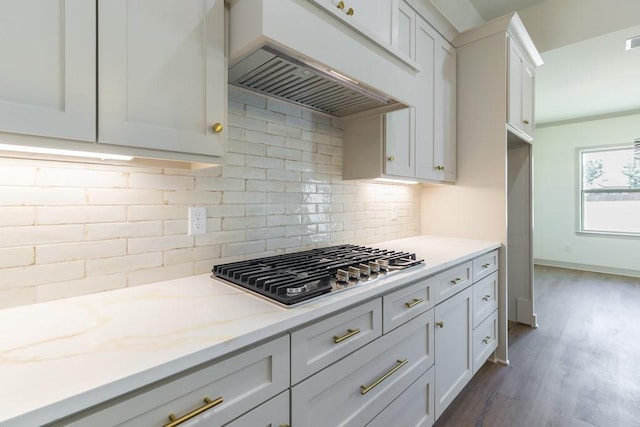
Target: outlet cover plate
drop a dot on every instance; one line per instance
(197, 220)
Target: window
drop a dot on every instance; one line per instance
(610, 190)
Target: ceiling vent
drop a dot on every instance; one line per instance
(632, 43)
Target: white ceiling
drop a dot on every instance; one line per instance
(586, 72)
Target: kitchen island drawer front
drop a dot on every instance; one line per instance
(233, 386)
(452, 281)
(322, 343)
(353, 390)
(485, 265)
(273, 413)
(405, 304)
(485, 340)
(413, 408)
(485, 298)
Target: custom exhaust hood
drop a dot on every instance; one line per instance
(292, 50)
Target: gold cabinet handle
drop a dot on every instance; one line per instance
(217, 127)
(439, 168)
(487, 340)
(456, 281)
(340, 5)
(175, 421)
(486, 298)
(349, 334)
(350, 12)
(525, 121)
(366, 389)
(485, 266)
(391, 158)
(414, 302)
(440, 324)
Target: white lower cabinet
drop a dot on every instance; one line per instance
(204, 396)
(453, 334)
(413, 408)
(353, 390)
(485, 340)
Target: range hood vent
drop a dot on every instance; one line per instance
(279, 75)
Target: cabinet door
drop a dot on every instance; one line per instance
(403, 36)
(162, 74)
(372, 15)
(400, 143)
(445, 111)
(426, 46)
(521, 91)
(47, 76)
(453, 335)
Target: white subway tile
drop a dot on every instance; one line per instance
(37, 196)
(221, 237)
(243, 197)
(38, 235)
(299, 123)
(315, 218)
(51, 215)
(316, 198)
(157, 274)
(175, 226)
(236, 133)
(161, 182)
(243, 222)
(330, 150)
(284, 107)
(47, 254)
(185, 255)
(221, 211)
(330, 169)
(17, 257)
(118, 197)
(299, 144)
(121, 230)
(267, 186)
(123, 264)
(294, 165)
(283, 130)
(281, 175)
(244, 172)
(316, 177)
(64, 177)
(16, 215)
(265, 233)
(283, 243)
(234, 159)
(316, 158)
(316, 117)
(17, 296)
(243, 147)
(162, 243)
(278, 220)
(192, 198)
(247, 123)
(264, 162)
(315, 137)
(16, 175)
(265, 209)
(301, 209)
(300, 230)
(40, 274)
(284, 153)
(243, 248)
(301, 187)
(262, 114)
(284, 198)
(242, 96)
(153, 212)
(328, 130)
(207, 183)
(315, 239)
(264, 138)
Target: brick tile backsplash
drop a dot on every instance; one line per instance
(69, 229)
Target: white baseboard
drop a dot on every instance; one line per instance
(587, 267)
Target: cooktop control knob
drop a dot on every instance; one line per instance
(364, 270)
(354, 272)
(342, 275)
(374, 267)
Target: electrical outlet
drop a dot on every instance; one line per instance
(197, 220)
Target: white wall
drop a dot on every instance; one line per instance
(68, 229)
(462, 14)
(556, 198)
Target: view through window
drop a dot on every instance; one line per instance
(610, 191)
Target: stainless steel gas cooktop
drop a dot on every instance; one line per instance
(290, 279)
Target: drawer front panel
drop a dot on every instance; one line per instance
(353, 390)
(414, 407)
(405, 304)
(242, 381)
(485, 298)
(485, 265)
(485, 340)
(324, 342)
(452, 281)
(273, 413)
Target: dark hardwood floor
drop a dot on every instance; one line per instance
(579, 368)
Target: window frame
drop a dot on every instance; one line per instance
(581, 191)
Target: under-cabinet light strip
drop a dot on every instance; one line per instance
(60, 152)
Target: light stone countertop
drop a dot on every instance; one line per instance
(59, 357)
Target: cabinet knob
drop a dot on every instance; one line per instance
(440, 324)
(439, 168)
(350, 12)
(391, 158)
(217, 127)
(525, 121)
(340, 5)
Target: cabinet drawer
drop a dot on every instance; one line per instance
(270, 414)
(405, 304)
(353, 390)
(322, 343)
(414, 407)
(485, 298)
(485, 265)
(485, 340)
(452, 281)
(242, 382)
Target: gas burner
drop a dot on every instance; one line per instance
(293, 278)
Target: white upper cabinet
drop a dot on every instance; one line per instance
(47, 76)
(399, 143)
(162, 75)
(521, 91)
(372, 17)
(445, 112)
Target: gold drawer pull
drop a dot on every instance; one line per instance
(208, 405)
(349, 334)
(414, 302)
(485, 266)
(486, 298)
(525, 121)
(366, 389)
(440, 324)
(456, 281)
(350, 12)
(340, 5)
(487, 340)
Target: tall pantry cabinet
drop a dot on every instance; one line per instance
(492, 196)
